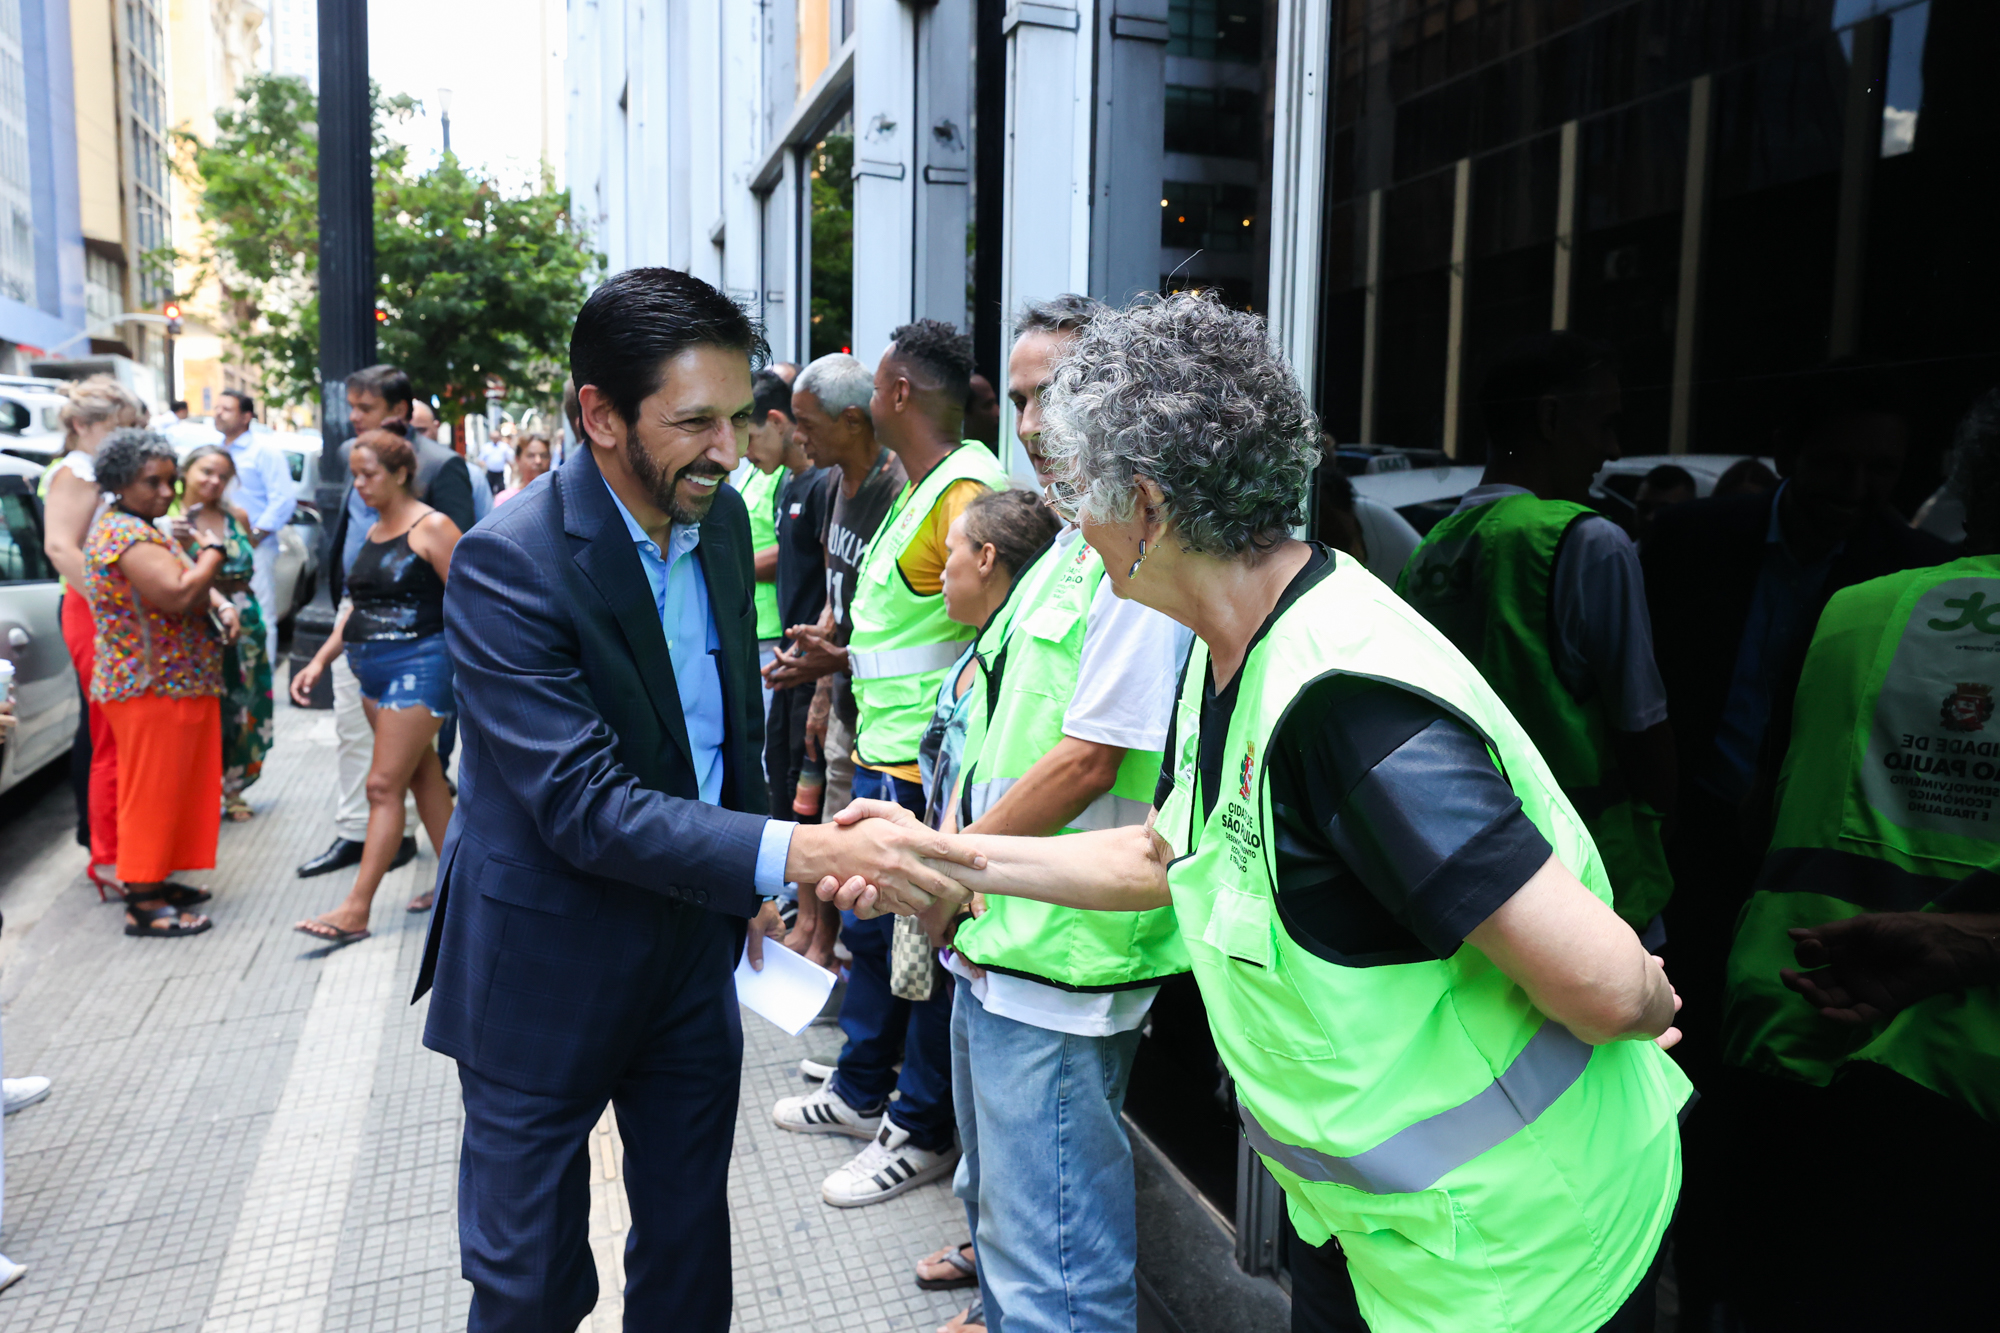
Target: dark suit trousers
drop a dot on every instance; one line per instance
(524, 1172)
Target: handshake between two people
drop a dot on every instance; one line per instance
(876, 858)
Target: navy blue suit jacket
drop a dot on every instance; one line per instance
(578, 845)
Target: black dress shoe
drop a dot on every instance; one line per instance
(344, 852)
(404, 854)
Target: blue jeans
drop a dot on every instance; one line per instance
(1054, 1225)
(881, 1028)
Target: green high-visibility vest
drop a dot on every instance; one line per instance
(760, 497)
(1483, 578)
(903, 642)
(1889, 793)
(1030, 678)
(1482, 1167)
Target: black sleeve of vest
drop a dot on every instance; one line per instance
(1407, 799)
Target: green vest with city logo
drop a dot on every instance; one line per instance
(1482, 1167)
(903, 642)
(1031, 659)
(1889, 794)
(760, 497)
(1483, 577)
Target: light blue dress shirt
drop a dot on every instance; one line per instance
(680, 593)
(263, 488)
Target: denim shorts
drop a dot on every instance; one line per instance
(403, 673)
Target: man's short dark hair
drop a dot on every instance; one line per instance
(1531, 370)
(1669, 477)
(942, 350)
(178, 405)
(1058, 314)
(772, 394)
(388, 383)
(639, 319)
(244, 402)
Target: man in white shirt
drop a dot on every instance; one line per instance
(495, 455)
(264, 490)
(1043, 1041)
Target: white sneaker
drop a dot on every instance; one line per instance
(17, 1093)
(10, 1272)
(816, 1070)
(822, 1111)
(886, 1168)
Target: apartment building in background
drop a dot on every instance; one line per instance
(1732, 193)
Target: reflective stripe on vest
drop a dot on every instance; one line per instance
(1107, 811)
(918, 660)
(1426, 1152)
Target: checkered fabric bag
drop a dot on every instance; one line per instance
(912, 961)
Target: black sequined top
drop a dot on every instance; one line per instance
(397, 595)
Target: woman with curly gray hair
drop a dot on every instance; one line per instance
(1445, 1045)
(158, 678)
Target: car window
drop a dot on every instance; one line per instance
(21, 558)
(297, 463)
(15, 418)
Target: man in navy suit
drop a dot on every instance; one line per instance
(604, 856)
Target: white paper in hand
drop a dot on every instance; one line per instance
(790, 991)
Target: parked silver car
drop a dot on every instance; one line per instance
(45, 692)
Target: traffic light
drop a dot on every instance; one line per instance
(381, 315)
(172, 311)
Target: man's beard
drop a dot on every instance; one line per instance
(665, 490)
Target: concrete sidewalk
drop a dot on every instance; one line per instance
(246, 1132)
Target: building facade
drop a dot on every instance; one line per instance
(42, 264)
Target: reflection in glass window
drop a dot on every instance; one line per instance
(1220, 122)
(21, 558)
(1218, 218)
(1216, 29)
(1903, 92)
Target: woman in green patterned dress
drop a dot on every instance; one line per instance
(246, 665)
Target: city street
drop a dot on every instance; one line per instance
(246, 1132)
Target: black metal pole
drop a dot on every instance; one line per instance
(346, 279)
(989, 170)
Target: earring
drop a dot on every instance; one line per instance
(1133, 572)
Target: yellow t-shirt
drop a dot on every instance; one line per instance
(922, 566)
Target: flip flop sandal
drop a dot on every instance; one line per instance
(968, 1275)
(422, 903)
(972, 1319)
(140, 924)
(329, 933)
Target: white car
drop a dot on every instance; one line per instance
(45, 691)
(1615, 489)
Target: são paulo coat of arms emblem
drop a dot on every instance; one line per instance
(1967, 708)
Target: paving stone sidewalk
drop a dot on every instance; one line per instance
(246, 1133)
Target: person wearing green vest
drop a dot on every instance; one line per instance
(1064, 734)
(902, 647)
(771, 458)
(1545, 597)
(1886, 834)
(1445, 1045)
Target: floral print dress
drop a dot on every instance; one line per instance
(247, 727)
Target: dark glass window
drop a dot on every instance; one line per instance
(1218, 218)
(1216, 30)
(1220, 122)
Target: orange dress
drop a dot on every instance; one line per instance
(158, 677)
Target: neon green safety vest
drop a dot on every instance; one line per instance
(903, 642)
(1483, 578)
(1483, 1168)
(1034, 668)
(760, 496)
(1890, 792)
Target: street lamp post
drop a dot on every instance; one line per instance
(444, 117)
(346, 279)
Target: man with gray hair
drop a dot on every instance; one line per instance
(1065, 735)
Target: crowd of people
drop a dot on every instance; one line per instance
(1431, 822)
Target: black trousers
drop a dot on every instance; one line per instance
(1323, 1294)
(524, 1170)
(785, 746)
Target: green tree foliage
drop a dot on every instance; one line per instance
(474, 283)
(832, 244)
